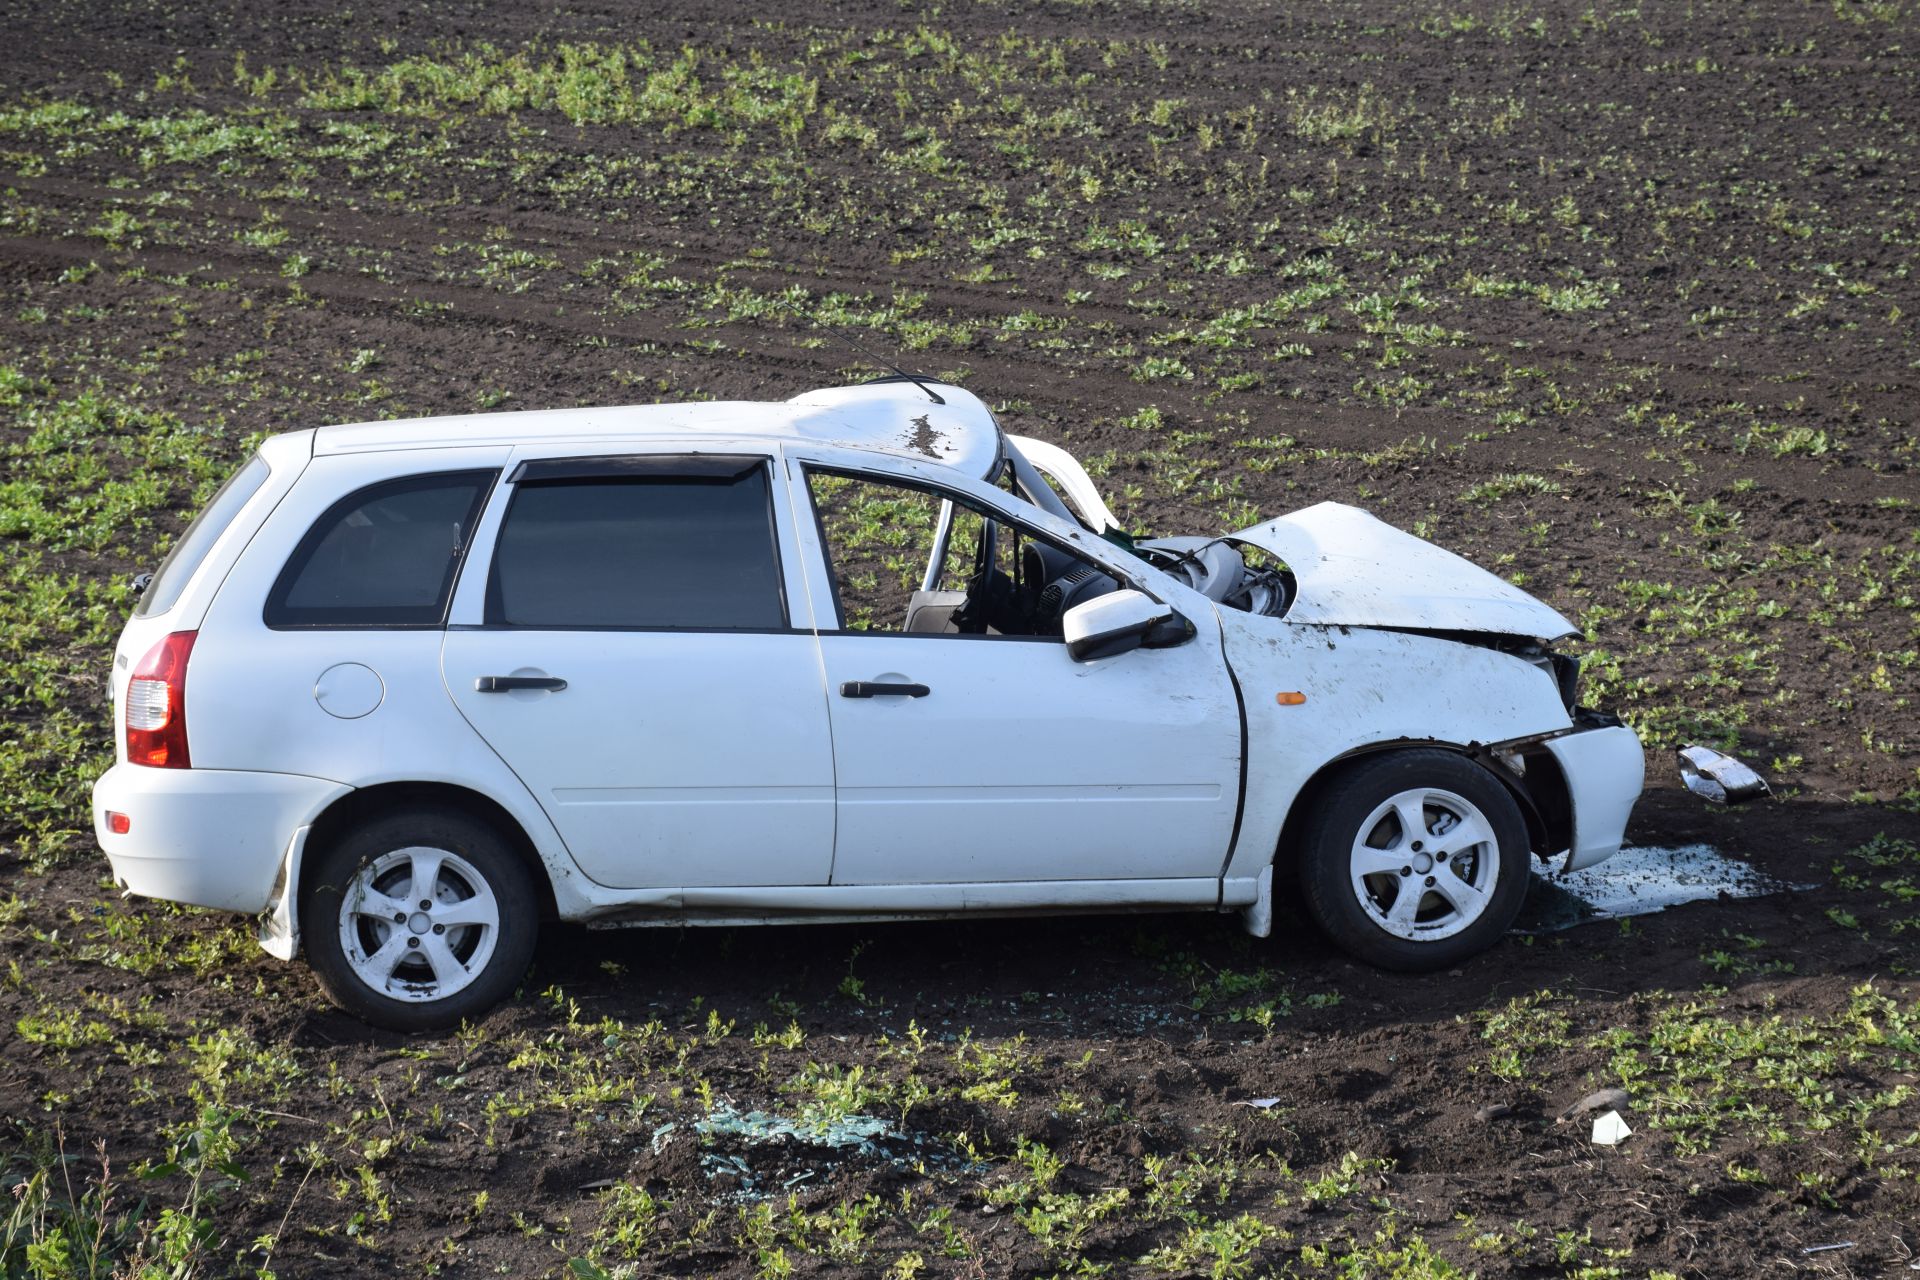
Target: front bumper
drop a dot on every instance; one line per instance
(206, 837)
(1605, 770)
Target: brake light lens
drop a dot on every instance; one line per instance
(156, 703)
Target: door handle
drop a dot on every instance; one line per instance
(506, 684)
(869, 689)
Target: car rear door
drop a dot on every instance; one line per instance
(626, 639)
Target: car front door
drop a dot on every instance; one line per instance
(970, 753)
(633, 654)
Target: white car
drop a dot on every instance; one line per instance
(407, 689)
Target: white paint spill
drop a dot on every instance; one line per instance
(1638, 881)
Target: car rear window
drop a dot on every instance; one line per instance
(385, 556)
(634, 551)
(177, 570)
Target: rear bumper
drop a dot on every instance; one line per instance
(207, 837)
(1605, 770)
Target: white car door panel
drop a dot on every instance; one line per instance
(999, 758)
(1021, 764)
(671, 758)
(689, 744)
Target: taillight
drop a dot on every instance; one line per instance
(156, 702)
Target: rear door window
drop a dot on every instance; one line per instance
(640, 544)
(385, 556)
(177, 570)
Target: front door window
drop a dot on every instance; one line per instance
(908, 560)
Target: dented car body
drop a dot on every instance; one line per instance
(410, 687)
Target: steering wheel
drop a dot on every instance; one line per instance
(973, 613)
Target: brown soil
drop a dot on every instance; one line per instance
(1396, 1068)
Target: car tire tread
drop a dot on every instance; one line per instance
(480, 845)
(1326, 844)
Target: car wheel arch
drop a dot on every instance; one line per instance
(366, 804)
(1541, 792)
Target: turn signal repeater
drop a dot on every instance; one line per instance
(156, 703)
(1292, 698)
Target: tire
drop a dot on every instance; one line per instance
(1414, 901)
(404, 966)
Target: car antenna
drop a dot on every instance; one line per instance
(817, 322)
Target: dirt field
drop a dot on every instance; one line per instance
(1617, 301)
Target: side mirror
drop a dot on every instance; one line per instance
(1120, 621)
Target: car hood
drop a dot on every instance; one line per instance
(1351, 569)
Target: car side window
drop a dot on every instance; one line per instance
(993, 579)
(640, 547)
(384, 556)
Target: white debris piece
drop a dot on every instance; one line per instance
(1609, 1130)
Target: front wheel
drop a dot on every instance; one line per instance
(1414, 860)
(418, 920)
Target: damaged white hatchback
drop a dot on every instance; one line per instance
(406, 689)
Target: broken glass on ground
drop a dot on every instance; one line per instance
(1640, 881)
(750, 1155)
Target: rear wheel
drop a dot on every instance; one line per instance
(418, 920)
(1415, 860)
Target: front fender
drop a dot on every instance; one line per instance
(1361, 688)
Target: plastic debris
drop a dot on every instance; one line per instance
(1261, 1103)
(1598, 1100)
(1823, 1248)
(1492, 1111)
(1609, 1130)
(1718, 778)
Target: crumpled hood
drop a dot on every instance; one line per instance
(1354, 570)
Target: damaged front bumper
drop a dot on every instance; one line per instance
(1604, 770)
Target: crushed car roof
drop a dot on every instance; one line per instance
(889, 416)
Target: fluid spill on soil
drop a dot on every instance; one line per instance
(1640, 880)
